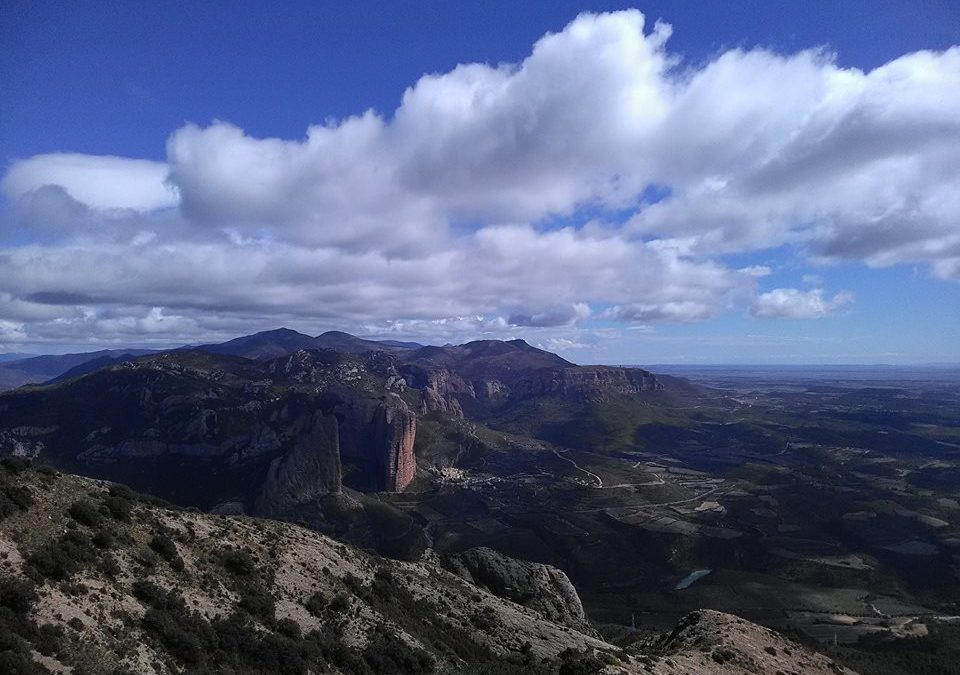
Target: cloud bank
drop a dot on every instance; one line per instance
(498, 197)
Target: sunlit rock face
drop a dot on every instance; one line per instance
(395, 429)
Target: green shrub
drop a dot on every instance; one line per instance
(238, 561)
(47, 639)
(20, 663)
(722, 655)
(119, 508)
(61, 559)
(167, 549)
(123, 492)
(109, 565)
(182, 635)
(13, 498)
(103, 539)
(17, 595)
(386, 653)
(73, 588)
(316, 603)
(340, 603)
(84, 512)
(289, 628)
(18, 634)
(156, 597)
(579, 663)
(257, 602)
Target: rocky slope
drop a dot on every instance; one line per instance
(542, 588)
(714, 643)
(94, 579)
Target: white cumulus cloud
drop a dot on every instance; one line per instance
(100, 182)
(792, 303)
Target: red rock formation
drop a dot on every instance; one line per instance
(378, 433)
(395, 428)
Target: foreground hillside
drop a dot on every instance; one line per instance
(96, 579)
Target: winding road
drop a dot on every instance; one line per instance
(580, 468)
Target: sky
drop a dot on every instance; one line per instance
(670, 182)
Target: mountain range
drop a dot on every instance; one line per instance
(285, 425)
(592, 496)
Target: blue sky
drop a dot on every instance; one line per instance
(510, 201)
(130, 72)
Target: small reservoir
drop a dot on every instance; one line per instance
(691, 578)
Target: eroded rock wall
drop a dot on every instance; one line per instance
(394, 431)
(445, 391)
(306, 473)
(380, 433)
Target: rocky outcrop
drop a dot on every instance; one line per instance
(715, 643)
(439, 390)
(306, 473)
(379, 434)
(539, 587)
(490, 372)
(394, 431)
(447, 391)
(590, 380)
(434, 401)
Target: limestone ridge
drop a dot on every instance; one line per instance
(715, 643)
(488, 374)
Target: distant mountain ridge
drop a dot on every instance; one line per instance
(270, 344)
(260, 346)
(37, 369)
(509, 362)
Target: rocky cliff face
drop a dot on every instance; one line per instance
(378, 435)
(542, 588)
(394, 432)
(306, 473)
(269, 434)
(445, 390)
(593, 381)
